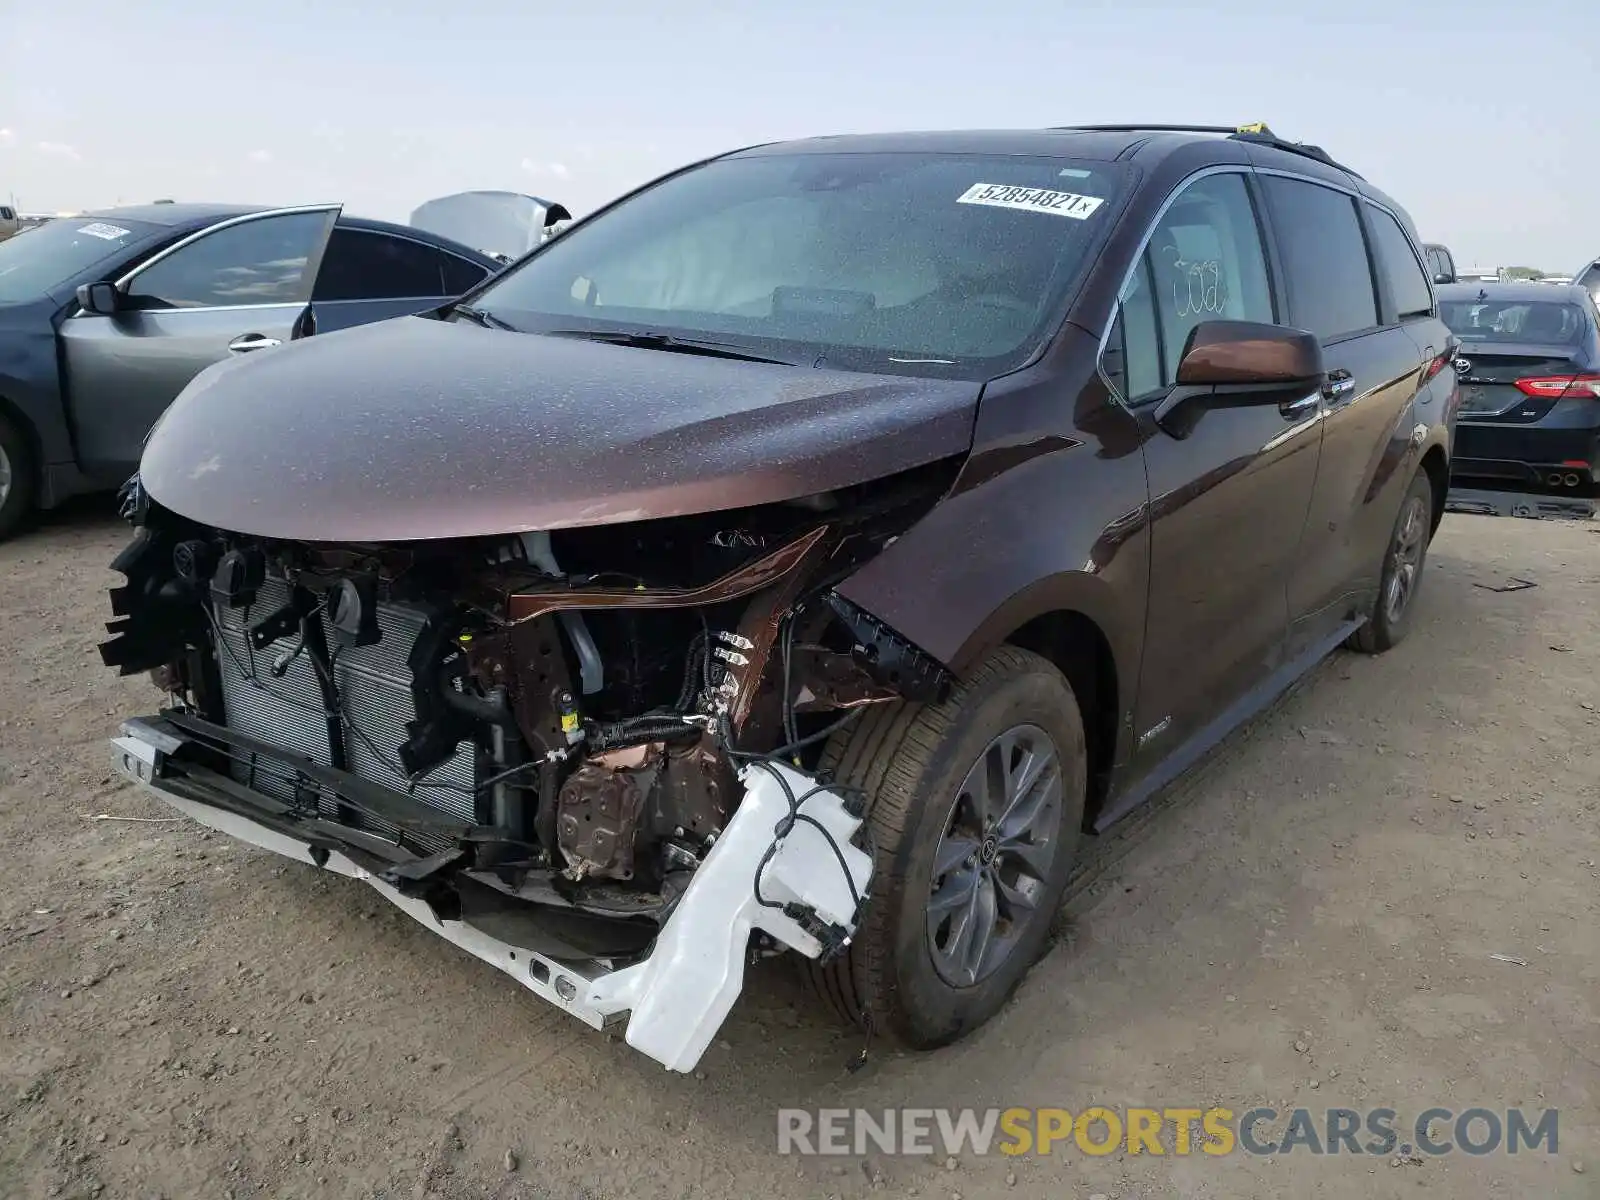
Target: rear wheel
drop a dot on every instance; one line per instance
(974, 807)
(16, 477)
(1403, 561)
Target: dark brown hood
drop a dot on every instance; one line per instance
(415, 428)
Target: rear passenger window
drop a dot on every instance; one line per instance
(1204, 262)
(1398, 261)
(461, 275)
(364, 265)
(1324, 257)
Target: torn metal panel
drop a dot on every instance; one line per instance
(736, 585)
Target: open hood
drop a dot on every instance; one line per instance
(508, 224)
(417, 428)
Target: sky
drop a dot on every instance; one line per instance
(1479, 119)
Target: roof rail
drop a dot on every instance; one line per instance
(1256, 133)
(1146, 128)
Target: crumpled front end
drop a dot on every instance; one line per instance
(589, 757)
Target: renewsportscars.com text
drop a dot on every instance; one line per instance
(1100, 1130)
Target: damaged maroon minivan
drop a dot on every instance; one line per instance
(802, 553)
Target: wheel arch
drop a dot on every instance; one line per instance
(1091, 630)
(1437, 465)
(1078, 648)
(13, 414)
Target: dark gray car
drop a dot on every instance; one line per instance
(106, 317)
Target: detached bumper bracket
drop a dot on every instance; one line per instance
(677, 998)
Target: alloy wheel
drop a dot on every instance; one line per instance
(1405, 558)
(998, 844)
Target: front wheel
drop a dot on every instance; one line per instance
(16, 477)
(974, 807)
(1403, 560)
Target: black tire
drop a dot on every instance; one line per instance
(17, 502)
(1388, 623)
(912, 761)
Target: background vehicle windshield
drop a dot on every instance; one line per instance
(1542, 322)
(33, 263)
(903, 262)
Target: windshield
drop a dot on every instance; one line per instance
(1541, 322)
(912, 263)
(43, 258)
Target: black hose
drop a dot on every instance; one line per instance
(544, 817)
(638, 731)
(820, 735)
(693, 670)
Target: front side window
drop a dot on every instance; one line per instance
(909, 262)
(365, 265)
(1204, 262)
(256, 262)
(1398, 261)
(1142, 367)
(1325, 257)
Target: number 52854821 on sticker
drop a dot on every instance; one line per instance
(1062, 204)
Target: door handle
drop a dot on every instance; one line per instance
(252, 341)
(1340, 388)
(1295, 409)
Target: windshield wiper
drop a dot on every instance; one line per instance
(671, 343)
(479, 316)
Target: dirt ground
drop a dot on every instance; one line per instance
(1309, 921)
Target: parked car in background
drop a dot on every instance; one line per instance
(10, 222)
(968, 485)
(1588, 277)
(1529, 367)
(503, 225)
(104, 317)
(1441, 263)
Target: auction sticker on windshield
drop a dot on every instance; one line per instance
(100, 229)
(1062, 204)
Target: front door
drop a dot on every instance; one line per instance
(1228, 501)
(239, 287)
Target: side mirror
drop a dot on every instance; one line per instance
(1444, 277)
(1225, 353)
(1238, 364)
(103, 299)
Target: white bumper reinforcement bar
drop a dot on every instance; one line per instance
(676, 999)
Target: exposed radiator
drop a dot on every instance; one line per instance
(374, 685)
